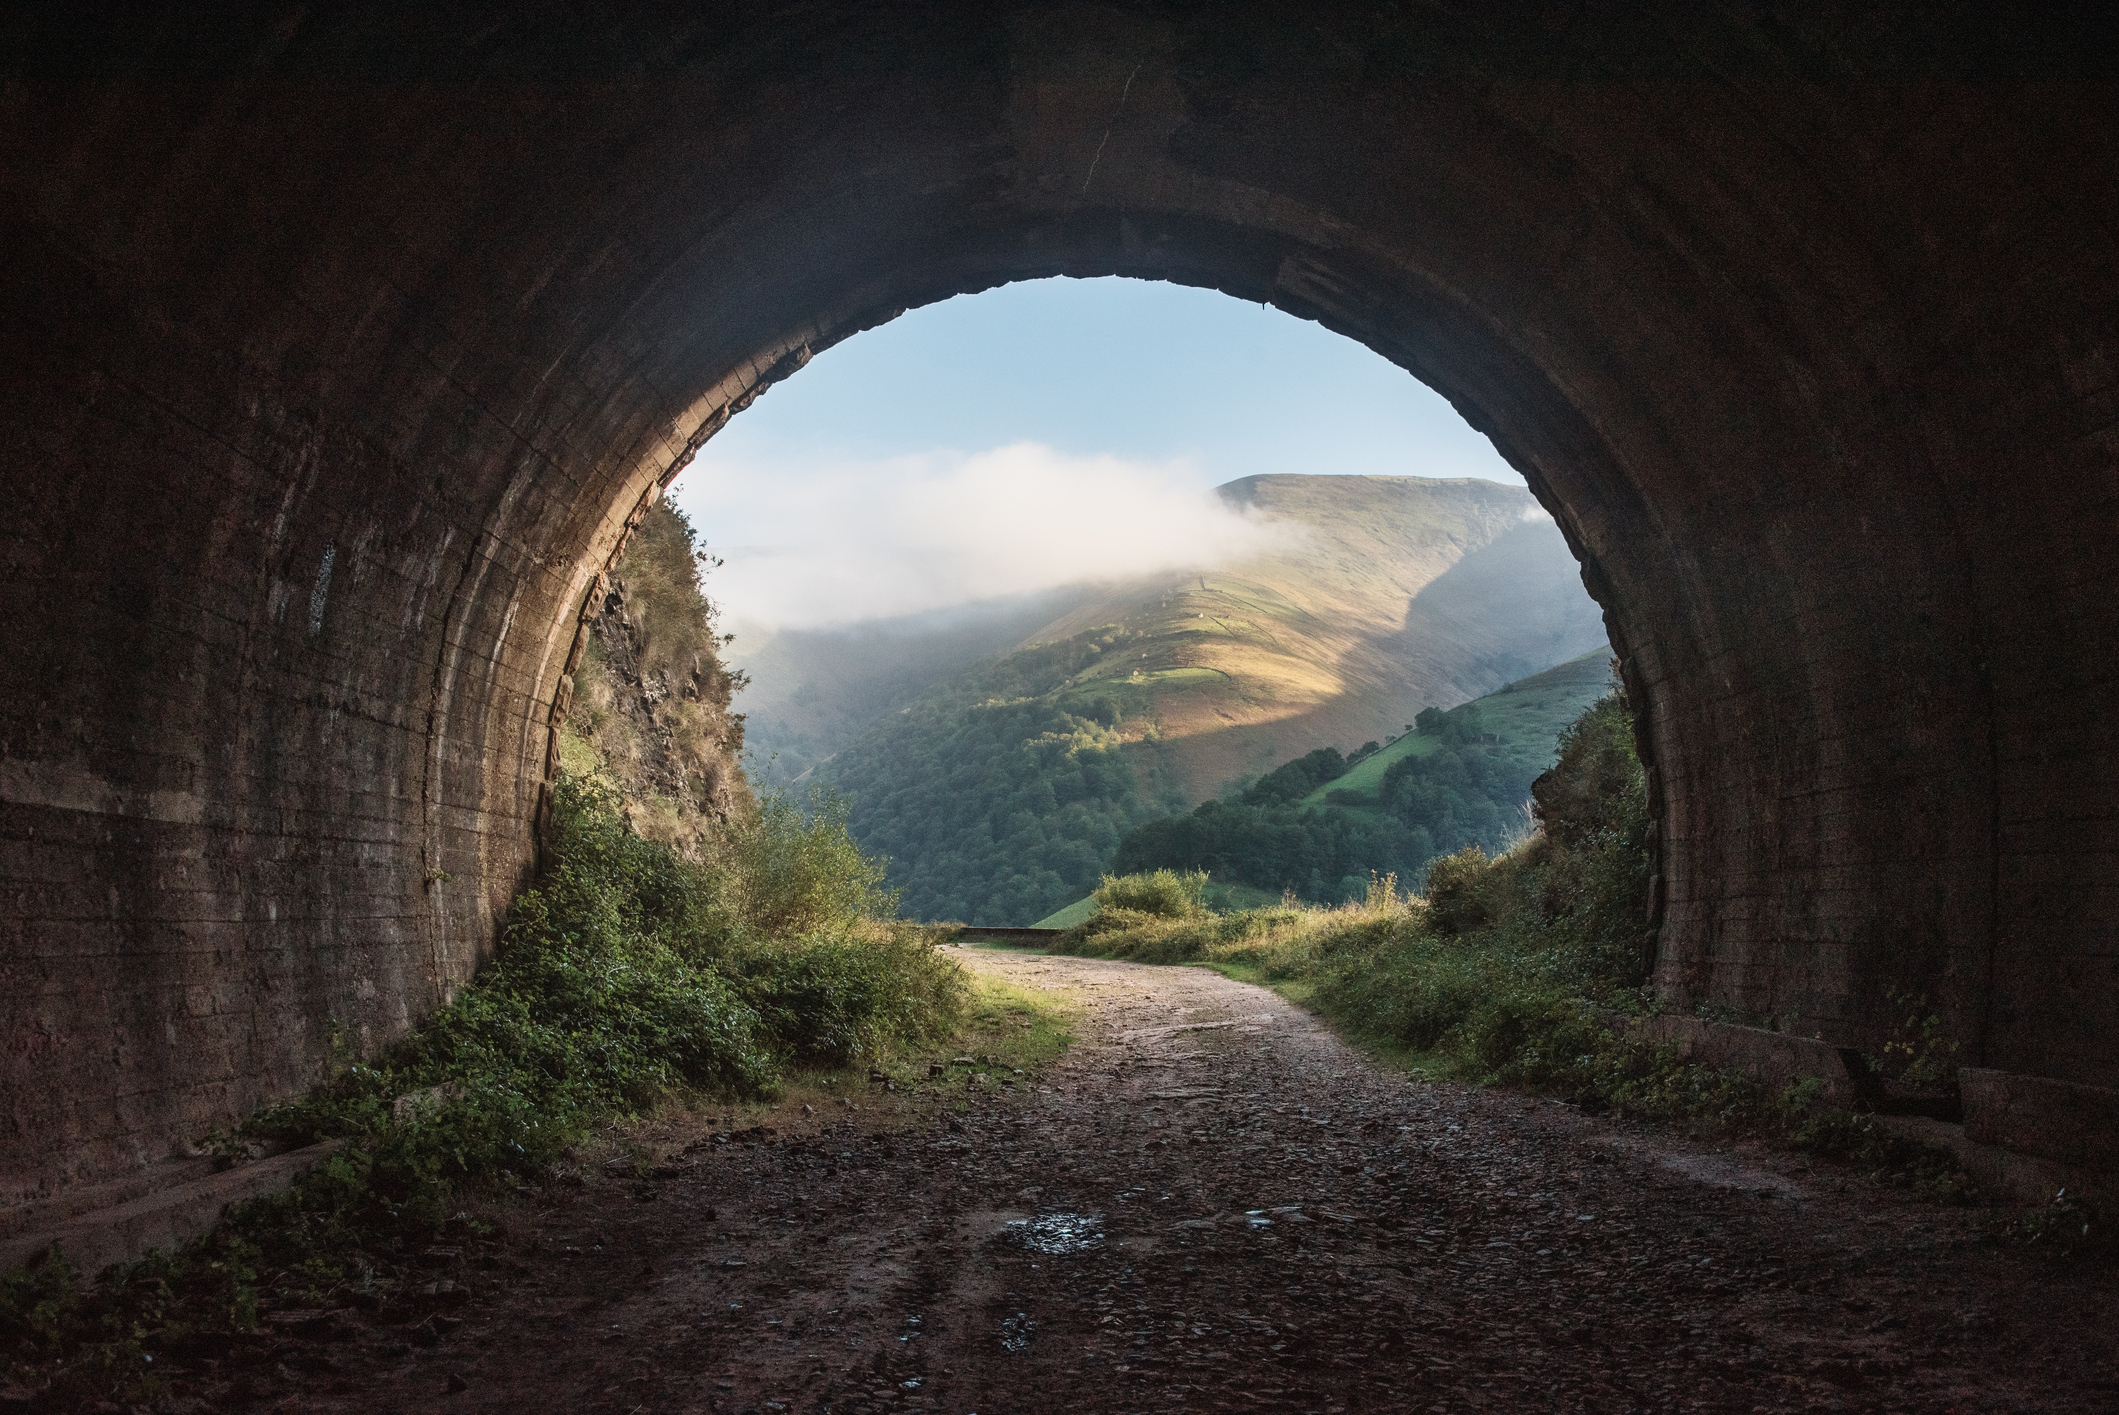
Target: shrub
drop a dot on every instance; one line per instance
(793, 869)
(836, 999)
(1455, 898)
(1596, 793)
(1165, 893)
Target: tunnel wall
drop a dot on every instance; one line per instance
(340, 349)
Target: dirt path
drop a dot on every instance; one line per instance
(1212, 1204)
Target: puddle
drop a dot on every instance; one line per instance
(1015, 1331)
(1058, 1234)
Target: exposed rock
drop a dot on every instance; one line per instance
(651, 699)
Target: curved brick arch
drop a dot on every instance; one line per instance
(338, 354)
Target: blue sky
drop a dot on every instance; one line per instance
(1038, 434)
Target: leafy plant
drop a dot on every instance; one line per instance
(1921, 1053)
(1165, 893)
(627, 975)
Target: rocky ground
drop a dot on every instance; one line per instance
(1212, 1204)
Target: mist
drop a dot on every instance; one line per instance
(868, 539)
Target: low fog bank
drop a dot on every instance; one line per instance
(876, 540)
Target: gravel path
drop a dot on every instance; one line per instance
(1213, 1204)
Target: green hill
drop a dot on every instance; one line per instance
(1517, 724)
(1391, 594)
(1320, 824)
(1000, 794)
(1003, 791)
(812, 691)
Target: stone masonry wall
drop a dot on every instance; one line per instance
(339, 349)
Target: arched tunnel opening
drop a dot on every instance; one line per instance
(1058, 469)
(344, 351)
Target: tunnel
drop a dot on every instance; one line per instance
(344, 346)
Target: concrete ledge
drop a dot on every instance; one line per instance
(1770, 1059)
(2057, 1120)
(48, 1211)
(164, 1218)
(2027, 1179)
(971, 935)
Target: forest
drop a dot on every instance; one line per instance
(1319, 826)
(1001, 795)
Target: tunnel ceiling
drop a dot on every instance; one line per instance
(342, 349)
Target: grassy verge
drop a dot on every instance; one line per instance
(1465, 1009)
(1521, 969)
(632, 984)
(1004, 1036)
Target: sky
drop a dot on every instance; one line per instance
(1045, 433)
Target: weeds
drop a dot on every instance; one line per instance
(628, 977)
(1525, 969)
(1168, 894)
(1921, 1053)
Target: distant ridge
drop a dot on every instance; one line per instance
(812, 691)
(1403, 593)
(1002, 790)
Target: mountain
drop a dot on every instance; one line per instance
(1319, 825)
(811, 691)
(1393, 593)
(1002, 791)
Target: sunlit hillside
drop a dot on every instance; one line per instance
(1002, 791)
(1396, 593)
(812, 691)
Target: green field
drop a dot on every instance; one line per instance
(1068, 917)
(1527, 716)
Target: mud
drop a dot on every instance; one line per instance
(1211, 1203)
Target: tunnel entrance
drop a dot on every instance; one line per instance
(1189, 540)
(346, 353)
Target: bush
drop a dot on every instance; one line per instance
(1455, 897)
(794, 869)
(836, 999)
(626, 975)
(1163, 893)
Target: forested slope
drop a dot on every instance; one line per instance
(1003, 792)
(1320, 824)
(812, 691)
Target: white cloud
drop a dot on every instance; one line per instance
(810, 546)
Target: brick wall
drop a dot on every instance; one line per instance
(337, 355)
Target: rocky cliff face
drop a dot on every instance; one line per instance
(652, 701)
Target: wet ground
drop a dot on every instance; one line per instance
(1212, 1204)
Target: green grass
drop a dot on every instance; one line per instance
(630, 980)
(1019, 1028)
(1006, 1035)
(1527, 715)
(1068, 917)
